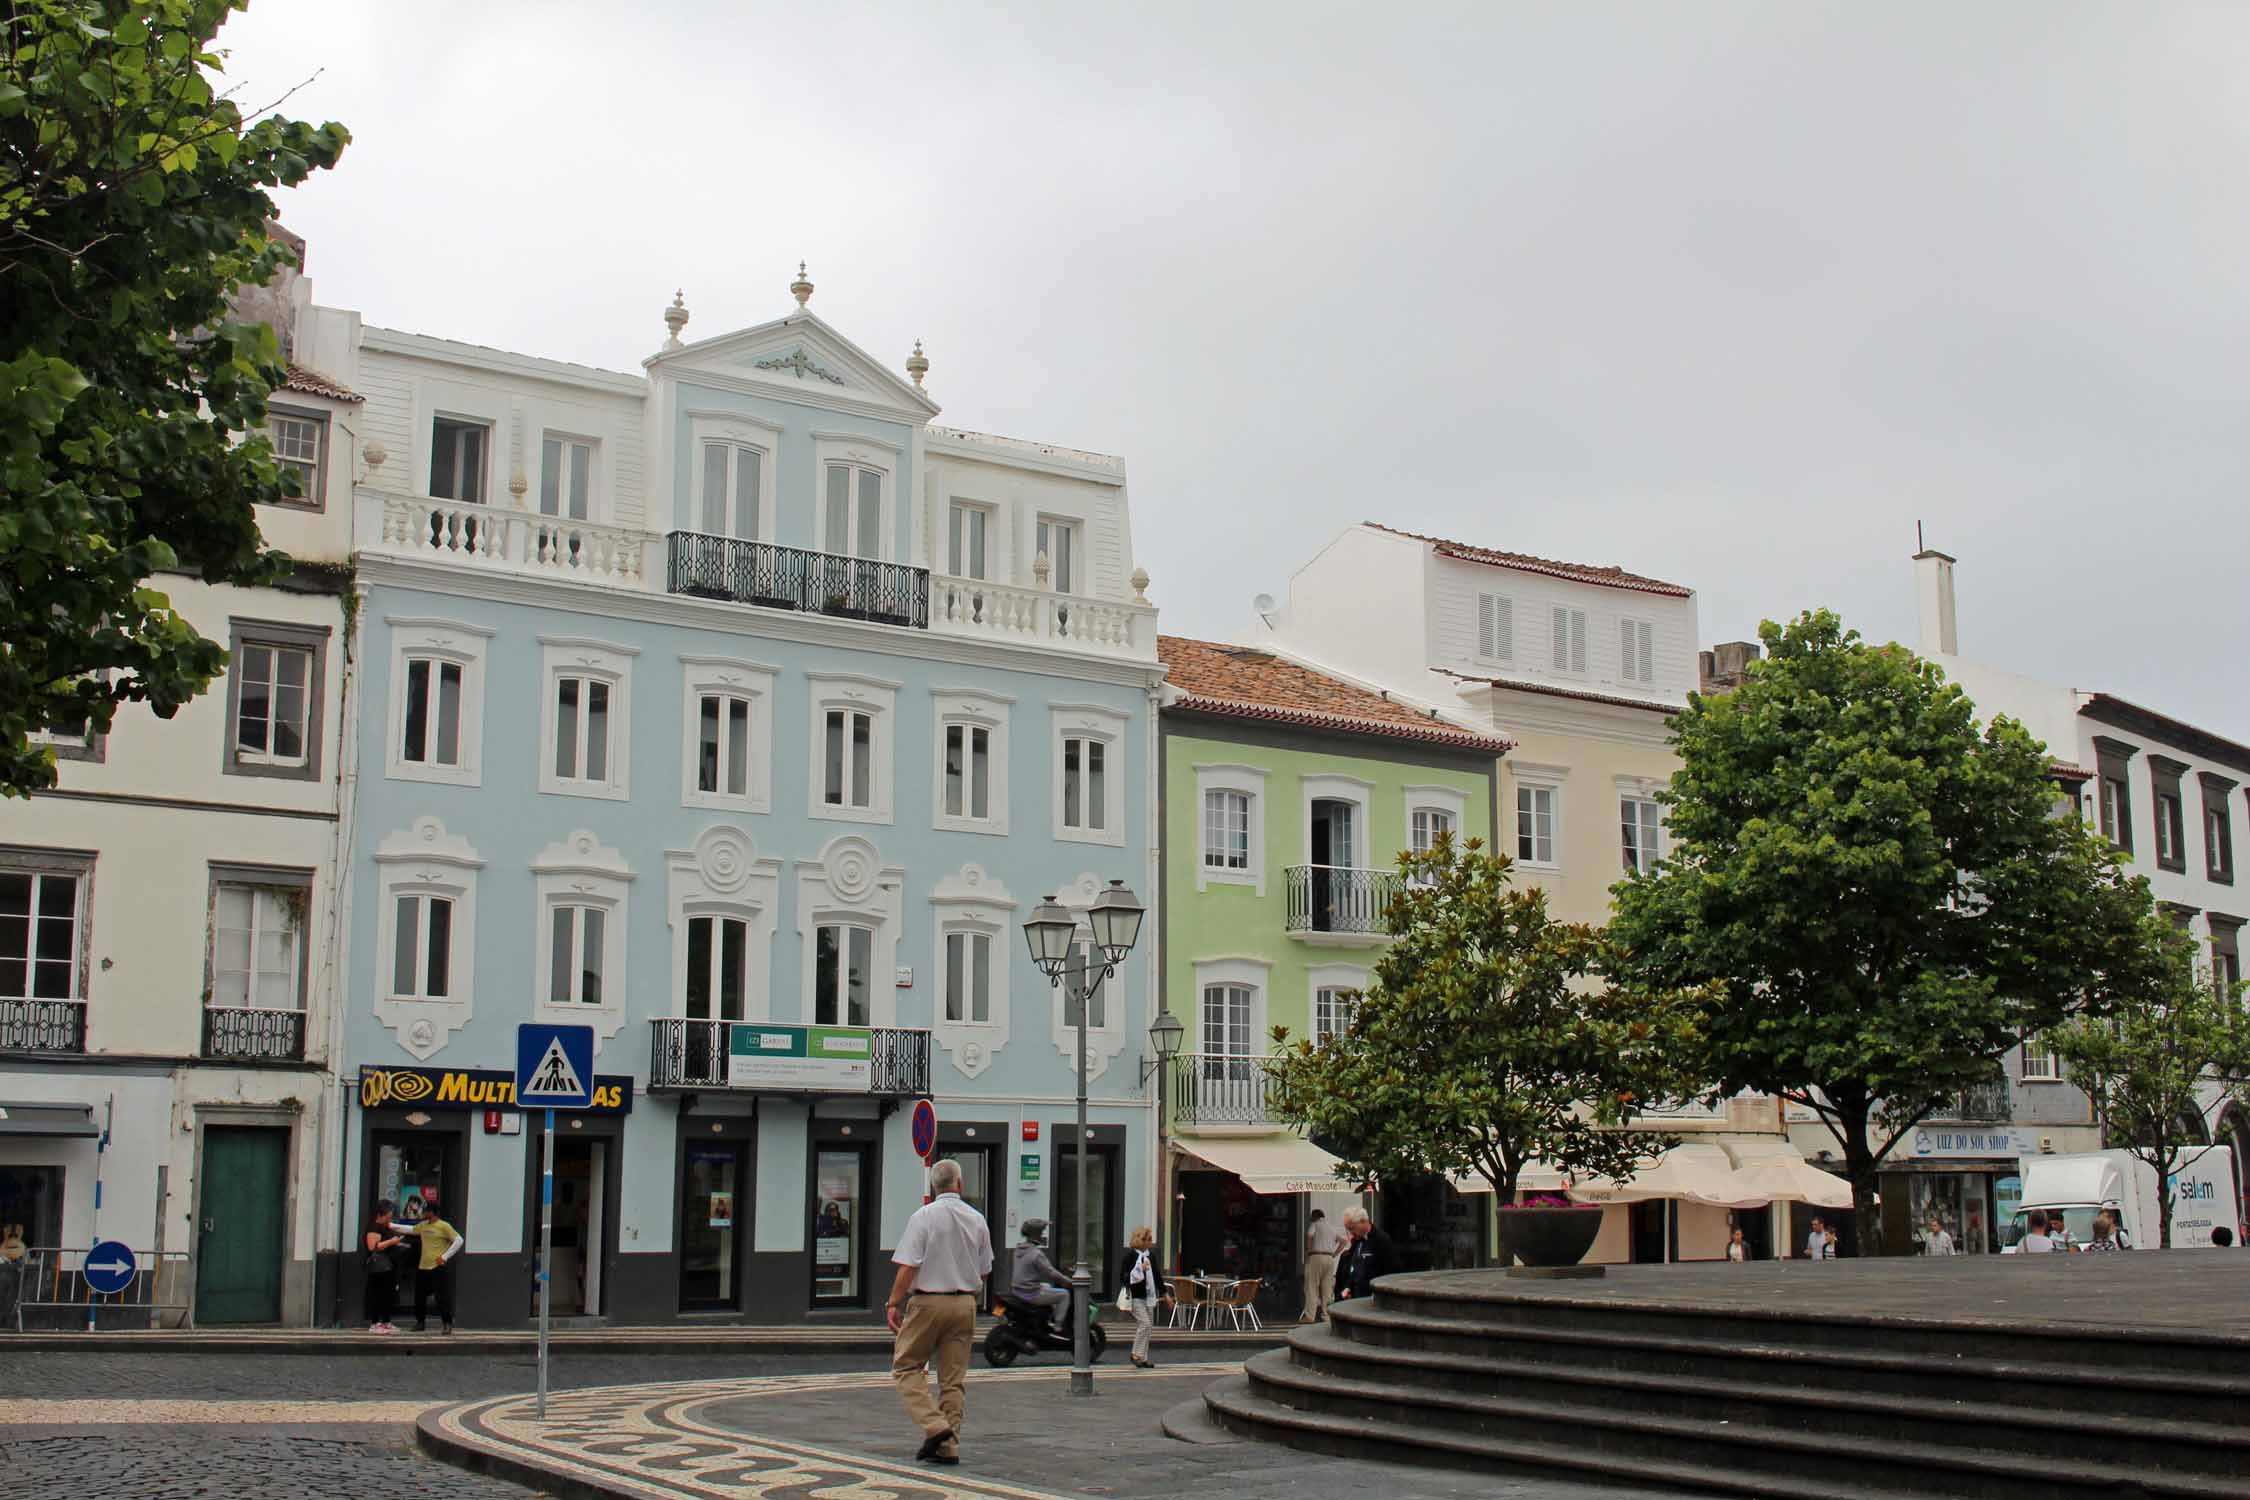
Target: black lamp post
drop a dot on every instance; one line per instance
(1164, 1036)
(1052, 932)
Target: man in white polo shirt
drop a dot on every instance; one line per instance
(942, 1259)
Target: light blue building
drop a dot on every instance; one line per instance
(740, 711)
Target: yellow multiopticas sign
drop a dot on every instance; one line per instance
(470, 1088)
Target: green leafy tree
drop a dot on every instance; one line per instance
(1890, 896)
(1488, 1040)
(134, 200)
(2145, 1057)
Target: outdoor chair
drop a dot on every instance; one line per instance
(1239, 1303)
(1187, 1303)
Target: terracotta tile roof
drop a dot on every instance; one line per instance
(1252, 684)
(313, 383)
(2063, 770)
(1561, 692)
(1610, 577)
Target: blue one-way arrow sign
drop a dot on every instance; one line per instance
(109, 1268)
(554, 1066)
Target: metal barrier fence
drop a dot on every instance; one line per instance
(46, 1289)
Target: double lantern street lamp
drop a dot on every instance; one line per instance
(1052, 933)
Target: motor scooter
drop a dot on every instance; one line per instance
(1024, 1328)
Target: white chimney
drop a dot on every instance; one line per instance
(1933, 574)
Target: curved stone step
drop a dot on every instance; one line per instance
(2016, 1384)
(1238, 1408)
(1816, 1460)
(2041, 1436)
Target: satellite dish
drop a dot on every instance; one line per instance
(1263, 604)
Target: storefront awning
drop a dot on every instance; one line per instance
(1269, 1163)
(1696, 1172)
(47, 1119)
(1780, 1171)
(1536, 1177)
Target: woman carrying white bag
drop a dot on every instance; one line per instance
(1144, 1284)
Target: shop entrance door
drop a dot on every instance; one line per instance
(980, 1179)
(415, 1171)
(1648, 1232)
(840, 1183)
(581, 1178)
(714, 1204)
(239, 1242)
(1101, 1223)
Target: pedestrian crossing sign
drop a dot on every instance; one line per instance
(554, 1066)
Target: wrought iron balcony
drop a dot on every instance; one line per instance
(1342, 901)
(237, 1034)
(1214, 1088)
(1986, 1104)
(686, 1054)
(42, 1025)
(772, 576)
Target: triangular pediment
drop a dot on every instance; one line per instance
(800, 358)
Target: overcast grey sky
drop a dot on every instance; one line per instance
(1728, 293)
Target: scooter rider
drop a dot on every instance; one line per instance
(1033, 1278)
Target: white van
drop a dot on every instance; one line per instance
(2079, 1185)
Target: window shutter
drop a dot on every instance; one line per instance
(1562, 639)
(1496, 627)
(1628, 652)
(1570, 640)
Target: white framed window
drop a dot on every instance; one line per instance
(1538, 815)
(585, 750)
(2040, 1065)
(843, 974)
(974, 918)
(852, 510)
(1429, 825)
(425, 939)
(1335, 992)
(566, 477)
(1226, 830)
(730, 491)
(1642, 820)
(436, 701)
(300, 446)
(579, 956)
(968, 550)
(459, 448)
(1432, 810)
(258, 949)
(1636, 651)
(275, 699)
(1496, 627)
(970, 792)
(849, 915)
(1089, 773)
(853, 723)
(1567, 639)
(1058, 539)
(726, 733)
(43, 924)
(1226, 1029)
(720, 900)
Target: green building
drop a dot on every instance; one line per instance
(1287, 795)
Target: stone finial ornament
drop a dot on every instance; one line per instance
(517, 484)
(917, 363)
(675, 319)
(373, 454)
(1139, 581)
(801, 289)
(1041, 569)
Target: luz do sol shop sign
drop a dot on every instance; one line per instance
(473, 1088)
(834, 1059)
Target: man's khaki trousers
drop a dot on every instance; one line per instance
(938, 1331)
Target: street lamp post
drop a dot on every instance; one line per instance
(1164, 1035)
(1052, 933)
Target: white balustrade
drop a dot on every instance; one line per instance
(487, 536)
(977, 606)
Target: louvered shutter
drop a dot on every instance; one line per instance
(1628, 651)
(1496, 627)
(1562, 639)
(1578, 641)
(1570, 640)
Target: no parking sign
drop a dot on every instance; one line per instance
(925, 1129)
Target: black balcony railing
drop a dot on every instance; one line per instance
(243, 1035)
(777, 577)
(1331, 898)
(1986, 1104)
(1213, 1088)
(685, 1054)
(42, 1025)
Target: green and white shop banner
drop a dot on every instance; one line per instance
(839, 1059)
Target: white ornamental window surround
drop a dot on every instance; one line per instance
(1230, 1011)
(436, 700)
(425, 935)
(1536, 831)
(1432, 809)
(578, 959)
(567, 467)
(726, 733)
(853, 727)
(965, 720)
(586, 716)
(970, 528)
(973, 917)
(1364, 849)
(856, 506)
(718, 894)
(1230, 819)
(1108, 1019)
(1089, 773)
(732, 485)
(849, 889)
(1331, 991)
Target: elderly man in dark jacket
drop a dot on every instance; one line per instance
(1369, 1255)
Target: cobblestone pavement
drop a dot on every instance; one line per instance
(237, 1463)
(386, 1377)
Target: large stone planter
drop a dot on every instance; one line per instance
(1548, 1236)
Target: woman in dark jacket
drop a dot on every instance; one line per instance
(383, 1241)
(1144, 1284)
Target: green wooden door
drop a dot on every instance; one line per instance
(239, 1239)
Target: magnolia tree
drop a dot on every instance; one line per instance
(1490, 1039)
(2149, 1058)
(1889, 895)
